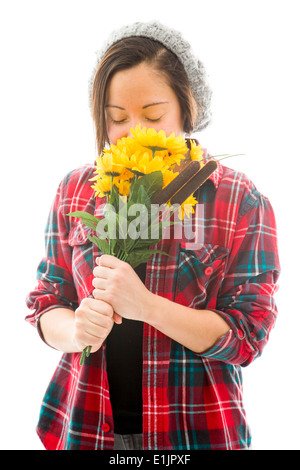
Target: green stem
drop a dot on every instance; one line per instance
(229, 156)
(122, 255)
(87, 351)
(118, 253)
(224, 155)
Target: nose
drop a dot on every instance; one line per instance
(129, 133)
(133, 124)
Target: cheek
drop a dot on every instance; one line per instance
(173, 124)
(115, 133)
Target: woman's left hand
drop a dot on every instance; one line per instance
(117, 283)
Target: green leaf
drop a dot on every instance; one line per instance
(112, 245)
(100, 243)
(84, 215)
(87, 219)
(137, 257)
(142, 196)
(151, 183)
(114, 197)
(155, 228)
(155, 148)
(141, 243)
(89, 224)
(135, 172)
(129, 245)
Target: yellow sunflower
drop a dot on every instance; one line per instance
(196, 153)
(123, 186)
(109, 164)
(187, 207)
(157, 141)
(102, 187)
(126, 145)
(168, 176)
(144, 163)
(173, 159)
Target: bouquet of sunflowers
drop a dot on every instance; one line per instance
(141, 174)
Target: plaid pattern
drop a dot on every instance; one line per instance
(190, 401)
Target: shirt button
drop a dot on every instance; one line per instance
(208, 271)
(105, 427)
(240, 333)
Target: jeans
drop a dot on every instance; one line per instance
(128, 442)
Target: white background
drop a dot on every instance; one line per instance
(251, 52)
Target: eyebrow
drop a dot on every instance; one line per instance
(144, 107)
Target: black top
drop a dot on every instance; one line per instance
(124, 355)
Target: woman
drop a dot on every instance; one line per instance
(169, 338)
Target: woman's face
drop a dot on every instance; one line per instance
(141, 95)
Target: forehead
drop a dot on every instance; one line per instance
(139, 84)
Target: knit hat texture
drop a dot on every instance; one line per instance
(174, 41)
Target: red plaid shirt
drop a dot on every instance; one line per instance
(190, 401)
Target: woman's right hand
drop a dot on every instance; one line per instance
(94, 320)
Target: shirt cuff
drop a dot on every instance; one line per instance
(233, 347)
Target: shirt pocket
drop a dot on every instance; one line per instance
(200, 274)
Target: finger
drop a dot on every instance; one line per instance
(97, 306)
(94, 324)
(102, 271)
(100, 283)
(109, 261)
(102, 295)
(98, 330)
(85, 338)
(100, 319)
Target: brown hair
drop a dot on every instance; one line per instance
(128, 53)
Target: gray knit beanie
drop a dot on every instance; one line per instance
(173, 41)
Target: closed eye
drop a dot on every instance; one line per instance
(122, 121)
(155, 120)
(117, 122)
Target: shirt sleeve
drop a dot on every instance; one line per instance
(246, 297)
(55, 286)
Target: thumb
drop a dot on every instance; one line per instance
(117, 318)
